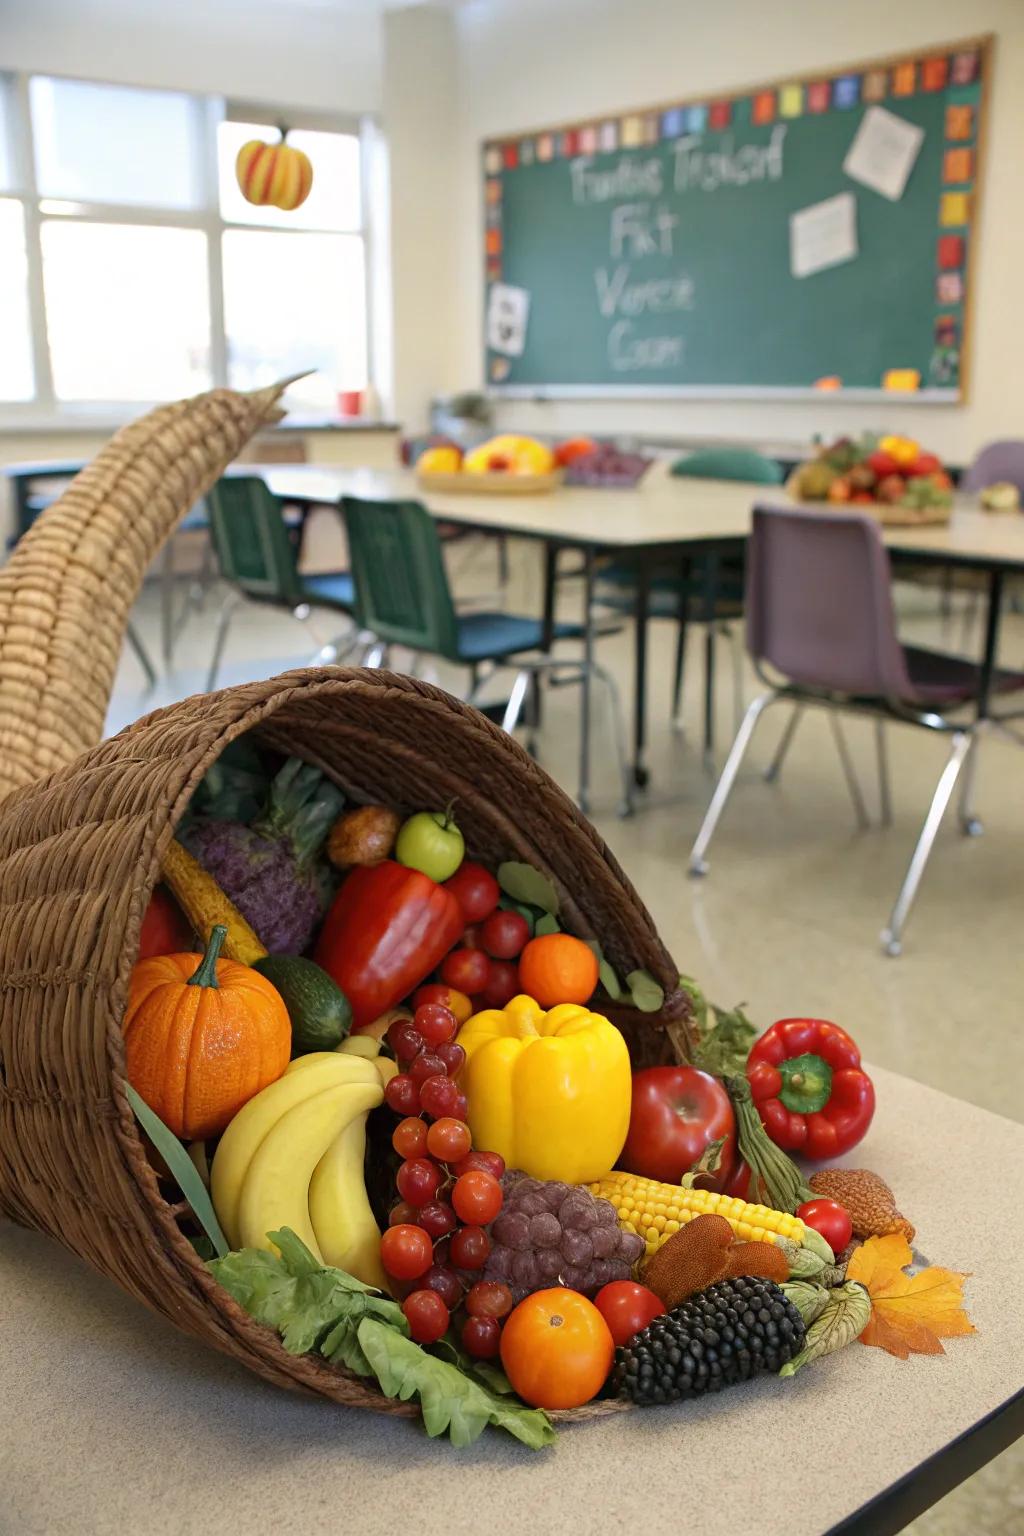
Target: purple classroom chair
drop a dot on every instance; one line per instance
(1003, 460)
(820, 614)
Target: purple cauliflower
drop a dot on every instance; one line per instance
(271, 869)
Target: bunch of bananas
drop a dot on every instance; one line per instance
(293, 1157)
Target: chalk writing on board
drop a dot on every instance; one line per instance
(823, 235)
(640, 229)
(508, 311)
(616, 295)
(883, 152)
(629, 178)
(628, 353)
(698, 169)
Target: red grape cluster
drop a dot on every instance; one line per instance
(447, 1192)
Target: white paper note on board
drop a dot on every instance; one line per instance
(508, 313)
(883, 152)
(823, 235)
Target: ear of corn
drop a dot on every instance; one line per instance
(655, 1211)
(205, 905)
(67, 590)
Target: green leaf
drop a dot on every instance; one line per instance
(546, 924)
(183, 1169)
(524, 883)
(492, 1376)
(449, 1399)
(709, 1161)
(809, 1300)
(725, 1047)
(609, 980)
(645, 993)
(842, 1320)
(700, 1004)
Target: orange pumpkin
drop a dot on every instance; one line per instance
(201, 1037)
(273, 173)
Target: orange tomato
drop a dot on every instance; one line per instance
(556, 968)
(839, 490)
(557, 1349)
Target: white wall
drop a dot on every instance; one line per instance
(321, 56)
(421, 122)
(528, 63)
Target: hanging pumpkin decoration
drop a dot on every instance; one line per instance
(274, 173)
(202, 1036)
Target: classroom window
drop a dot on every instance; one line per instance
(135, 271)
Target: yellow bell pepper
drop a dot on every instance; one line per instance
(549, 1091)
(903, 449)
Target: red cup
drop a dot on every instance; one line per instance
(350, 402)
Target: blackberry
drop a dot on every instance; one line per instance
(727, 1333)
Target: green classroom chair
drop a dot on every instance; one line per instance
(257, 555)
(403, 597)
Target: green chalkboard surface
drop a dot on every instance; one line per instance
(657, 252)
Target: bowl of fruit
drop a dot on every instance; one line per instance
(889, 475)
(506, 465)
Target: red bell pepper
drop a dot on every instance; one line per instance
(387, 929)
(165, 928)
(809, 1088)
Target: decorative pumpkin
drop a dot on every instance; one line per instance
(273, 173)
(202, 1036)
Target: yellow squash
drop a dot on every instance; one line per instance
(549, 1091)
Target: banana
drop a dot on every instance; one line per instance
(339, 1208)
(275, 1191)
(359, 1045)
(247, 1130)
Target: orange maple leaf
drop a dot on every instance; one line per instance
(909, 1313)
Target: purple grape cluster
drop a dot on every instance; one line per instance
(550, 1233)
(607, 467)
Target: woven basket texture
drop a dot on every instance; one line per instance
(80, 853)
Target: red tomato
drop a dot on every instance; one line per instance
(627, 1307)
(676, 1112)
(475, 889)
(504, 934)
(829, 1218)
(501, 987)
(468, 970)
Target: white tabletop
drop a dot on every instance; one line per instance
(662, 509)
(110, 1420)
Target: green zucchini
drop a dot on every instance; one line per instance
(320, 1012)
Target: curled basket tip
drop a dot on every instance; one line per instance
(79, 855)
(67, 590)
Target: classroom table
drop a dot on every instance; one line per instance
(663, 519)
(110, 1420)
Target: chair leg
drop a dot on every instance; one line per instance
(697, 864)
(970, 826)
(738, 656)
(142, 655)
(774, 769)
(849, 772)
(618, 737)
(533, 714)
(892, 934)
(224, 618)
(884, 783)
(376, 656)
(677, 681)
(502, 561)
(709, 698)
(514, 707)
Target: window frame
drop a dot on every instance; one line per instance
(45, 410)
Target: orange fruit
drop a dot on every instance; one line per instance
(556, 968)
(556, 1348)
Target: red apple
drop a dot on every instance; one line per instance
(676, 1113)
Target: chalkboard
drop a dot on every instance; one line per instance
(813, 235)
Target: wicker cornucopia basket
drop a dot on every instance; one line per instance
(80, 852)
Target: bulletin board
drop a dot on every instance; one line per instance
(811, 236)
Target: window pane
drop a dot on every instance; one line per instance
(16, 374)
(294, 302)
(127, 309)
(334, 199)
(112, 144)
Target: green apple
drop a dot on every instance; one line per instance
(432, 843)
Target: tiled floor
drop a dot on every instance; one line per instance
(788, 919)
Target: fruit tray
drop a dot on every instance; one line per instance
(491, 485)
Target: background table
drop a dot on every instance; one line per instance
(661, 520)
(110, 1420)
